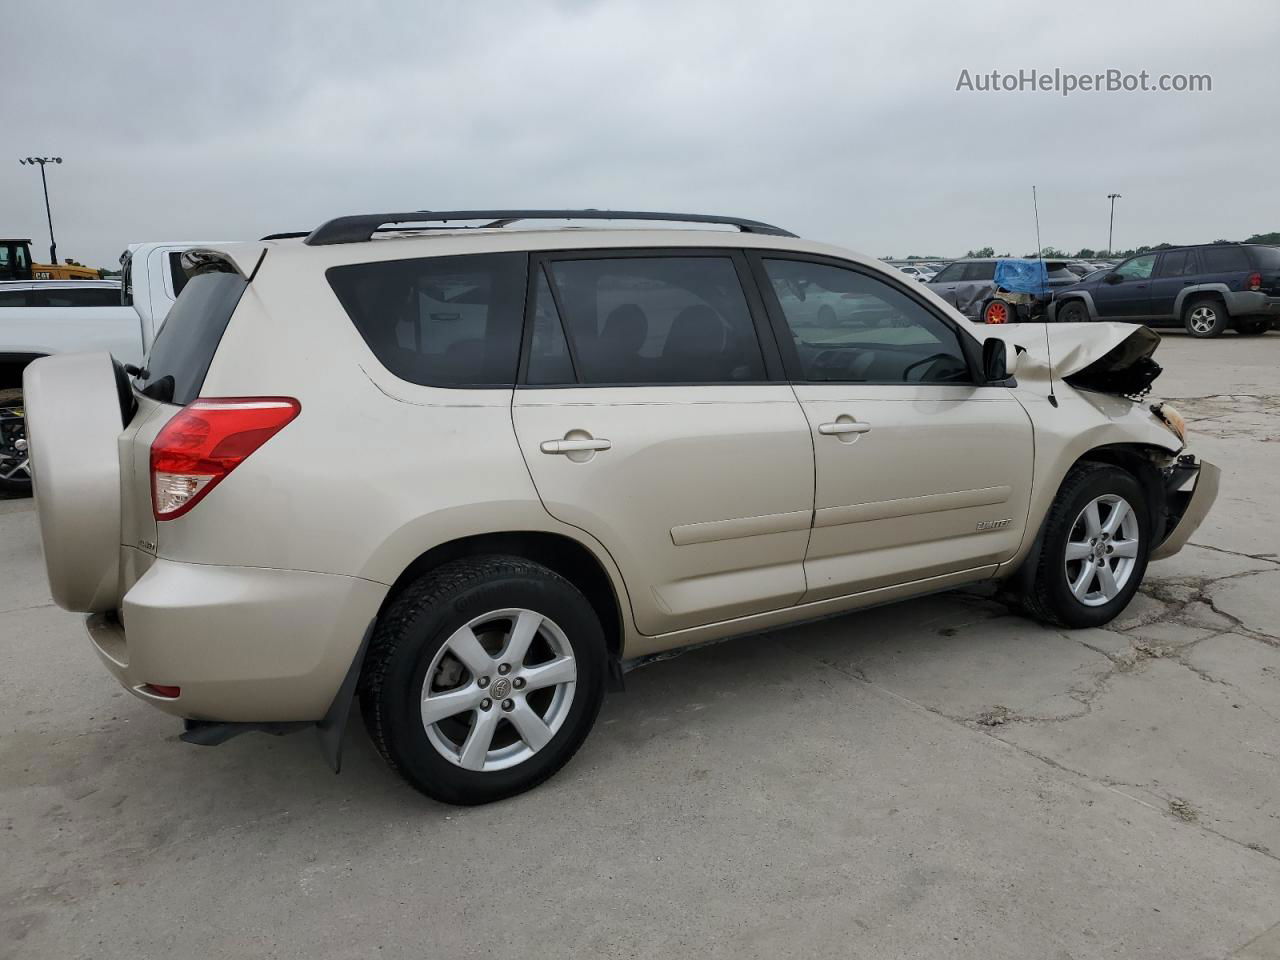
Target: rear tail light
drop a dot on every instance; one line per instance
(205, 441)
(1255, 281)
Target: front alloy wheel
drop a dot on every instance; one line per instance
(1094, 545)
(1102, 550)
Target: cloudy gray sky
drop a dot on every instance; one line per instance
(838, 120)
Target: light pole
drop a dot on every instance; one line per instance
(1113, 197)
(53, 246)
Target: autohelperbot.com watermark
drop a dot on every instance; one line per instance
(1065, 82)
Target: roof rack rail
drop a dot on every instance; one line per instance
(362, 227)
(289, 235)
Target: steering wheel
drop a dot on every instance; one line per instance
(932, 358)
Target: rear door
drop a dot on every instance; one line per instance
(1125, 293)
(651, 415)
(920, 472)
(1175, 270)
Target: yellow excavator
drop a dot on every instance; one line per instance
(15, 264)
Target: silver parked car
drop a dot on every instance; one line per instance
(469, 475)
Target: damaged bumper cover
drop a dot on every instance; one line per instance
(1195, 489)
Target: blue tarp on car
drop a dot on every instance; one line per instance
(1022, 276)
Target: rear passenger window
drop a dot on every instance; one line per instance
(656, 320)
(14, 298)
(985, 270)
(439, 321)
(1224, 260)
(1173, 264)
(549, 361)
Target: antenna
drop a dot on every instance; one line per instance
(1044, 291)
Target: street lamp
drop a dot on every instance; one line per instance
(1113, 197)
(53, 246)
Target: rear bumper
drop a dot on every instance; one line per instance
(1252, 303)
(245, 644)
(1202, 496)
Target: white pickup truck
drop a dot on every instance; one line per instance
(39, 318)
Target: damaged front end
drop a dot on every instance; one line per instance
(1094, 377)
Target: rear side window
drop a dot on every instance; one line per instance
(189, 337)
(657, 320)
(1267, 258)
(439, 321)
(15, 298)
(1224, 260)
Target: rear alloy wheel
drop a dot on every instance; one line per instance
(1205, 318)
(1073, 311)
(483, 678)
(15, 463)
(1094, 548)
(997, 311)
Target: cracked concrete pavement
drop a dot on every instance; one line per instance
(939, 778)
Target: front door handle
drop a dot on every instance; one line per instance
(574, 446)
(841, 427)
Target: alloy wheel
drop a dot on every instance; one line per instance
(498, 690)
(1203, 319)
(15, 463)
(1102, 550)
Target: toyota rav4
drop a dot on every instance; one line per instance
(469, 475)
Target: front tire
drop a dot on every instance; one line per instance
(15, 467)
(483, 678)
(1205, 317)
(1094, 553)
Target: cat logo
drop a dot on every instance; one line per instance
(994, 524)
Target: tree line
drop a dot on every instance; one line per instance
(1088, 253)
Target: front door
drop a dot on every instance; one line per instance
(1125, 293)
(647, 419)
(921, 473)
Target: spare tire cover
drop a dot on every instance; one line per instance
(73, 426)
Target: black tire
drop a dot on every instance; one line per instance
(1205, 317)
(1073, 311)
(1252, 328)
(1050, 598)
(417, 625)
(11, 430)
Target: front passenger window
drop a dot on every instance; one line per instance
(1139, 268)
(850, 327)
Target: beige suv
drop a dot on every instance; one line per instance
(471, 474)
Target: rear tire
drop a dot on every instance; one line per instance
(15, 469)
(1205, 317)
(498, 726)
(1252, 328)
(1073, 311)
(1094, 553)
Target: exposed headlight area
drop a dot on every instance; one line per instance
(1172, 419)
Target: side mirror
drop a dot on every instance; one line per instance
(1112, 278)
(995, 363)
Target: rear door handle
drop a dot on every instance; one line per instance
(573, 446)
(841, 427)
